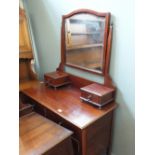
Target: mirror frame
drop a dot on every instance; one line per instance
(106, 42)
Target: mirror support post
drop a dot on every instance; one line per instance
(107, 78)
(108, 50)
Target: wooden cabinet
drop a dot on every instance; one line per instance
(25, 48)
(26, 72)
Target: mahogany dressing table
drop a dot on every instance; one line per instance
(91, 126)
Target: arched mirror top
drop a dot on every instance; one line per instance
(84, 41)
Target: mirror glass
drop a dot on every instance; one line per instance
(84, 41)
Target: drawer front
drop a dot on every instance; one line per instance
(56, 118)
(76, 145)
(90, 97)
(76, 137)
(40, 109)
(107, 97)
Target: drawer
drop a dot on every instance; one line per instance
(40, 109)
(76, 137)
(90, 97)
(56, 118)
(76, 145)
(52, 116)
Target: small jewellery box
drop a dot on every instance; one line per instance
(97, 94)
(56, 79)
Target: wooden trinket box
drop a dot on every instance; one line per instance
(56, 79)
(97, 94)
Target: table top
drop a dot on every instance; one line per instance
(65, 102)
(38, 134)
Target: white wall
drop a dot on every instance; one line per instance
(45, 19)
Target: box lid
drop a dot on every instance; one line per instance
(97, 89)
(56, 75)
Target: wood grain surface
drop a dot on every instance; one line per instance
(39, 135)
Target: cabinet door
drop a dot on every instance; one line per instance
(24, 39)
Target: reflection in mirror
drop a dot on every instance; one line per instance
(84, 37)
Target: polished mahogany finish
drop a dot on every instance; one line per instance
(97, 94)
(91, 126)
(25, 109)
(56, 79)
(66, 102)
(106, 41)
(39, 135)
(65, 107)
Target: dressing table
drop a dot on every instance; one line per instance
(85, 45)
